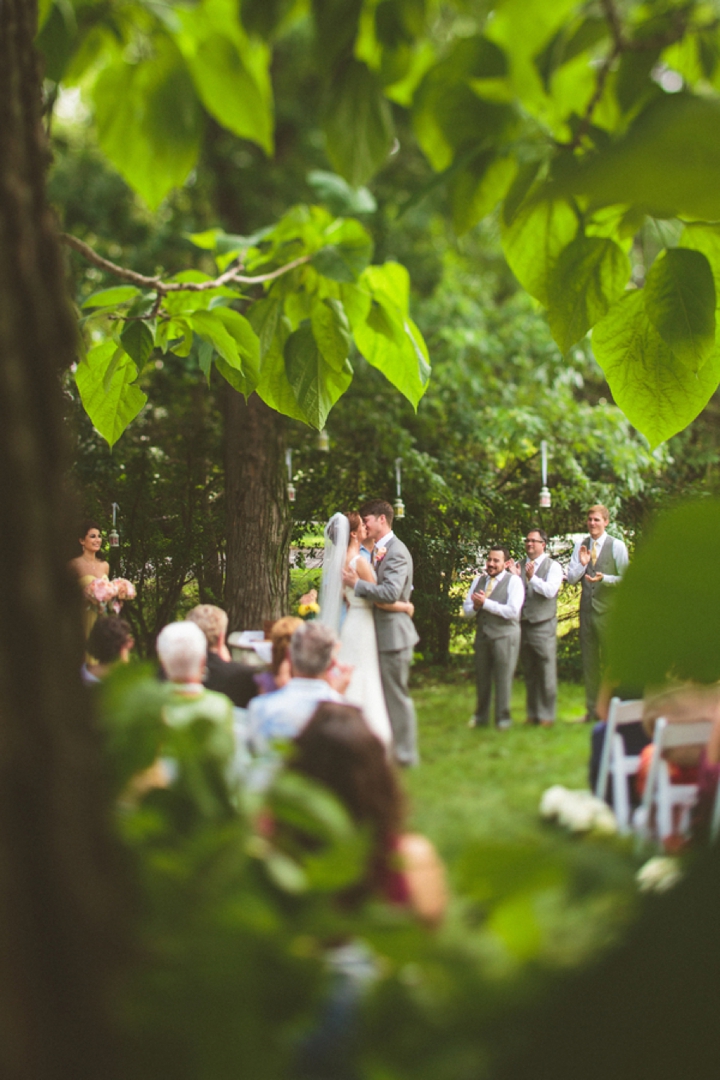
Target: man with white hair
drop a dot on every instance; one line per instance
(223, 673)
(182, 651)
(316, 677)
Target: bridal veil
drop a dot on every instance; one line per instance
(337, 536)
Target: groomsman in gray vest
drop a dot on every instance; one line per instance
(541, 577)
(598, 561)
(495, 599)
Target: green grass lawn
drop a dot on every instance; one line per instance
(479, 783)
(549, 896)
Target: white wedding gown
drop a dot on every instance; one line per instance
(359, 648)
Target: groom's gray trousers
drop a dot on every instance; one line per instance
(396, 638)
(394, 673)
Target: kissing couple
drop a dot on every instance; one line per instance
(365, 598)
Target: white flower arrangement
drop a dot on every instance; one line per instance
(578, 811)
(659, 874)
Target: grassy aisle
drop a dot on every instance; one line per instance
(547, 895)
(483, 784)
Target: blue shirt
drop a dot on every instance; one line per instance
(280, 716)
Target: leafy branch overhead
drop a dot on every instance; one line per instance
(593, 126)
(288, 337)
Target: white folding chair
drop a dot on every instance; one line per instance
(660, 794)
(615, 763)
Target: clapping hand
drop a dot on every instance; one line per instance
(339, 676)
(583, 555)
(512, 567)
(529, 569)
(594, 577)
(478, 599)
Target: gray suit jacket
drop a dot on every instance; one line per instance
(395, 629)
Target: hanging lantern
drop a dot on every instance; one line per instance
(545, 496)
(291, 492)
(114, 536)
(323, 442)
(399, 504)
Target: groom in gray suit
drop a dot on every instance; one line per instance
(396, 635)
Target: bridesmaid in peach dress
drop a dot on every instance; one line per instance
(88, 566)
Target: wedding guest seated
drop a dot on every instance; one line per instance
(337, 749)
(109, 643)
(279, 673)
(222, 673)
(678, 705)
(316, 677)
(182, 652)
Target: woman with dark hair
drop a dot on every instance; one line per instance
(89, 567)
(337, 749)
(109, 643)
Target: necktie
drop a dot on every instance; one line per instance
(490, 586)
(594, 553)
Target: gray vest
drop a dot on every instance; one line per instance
(538, 608)
(493, 626)
(596, 596)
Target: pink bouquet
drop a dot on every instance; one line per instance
(102, 592)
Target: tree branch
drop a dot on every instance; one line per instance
(621, 45)
(162, 288)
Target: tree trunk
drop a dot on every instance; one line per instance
(60, 920)
(258, 521)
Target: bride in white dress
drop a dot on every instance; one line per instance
(343, 535)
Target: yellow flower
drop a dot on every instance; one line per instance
(308, 609)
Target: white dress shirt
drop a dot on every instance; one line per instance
(510, 610)
(576, 570)
(551, 586)
(385, 540)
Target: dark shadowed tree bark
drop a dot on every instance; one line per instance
(59, 914)
(258, 522)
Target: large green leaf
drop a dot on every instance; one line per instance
(236, 343)
(589, 274)
(358, 124)
(347, 252)
(533, 240)
(57, 37)
(315, 383)
(451, 117)
(274, 387)
(705, 237)
(338, 196)
(476, 188)
(657, 392)
(331, 331)
(230, 74)
(668, 161)
(655, 634)
(245, 378)
(383, 330)
(264, 317)
(148, 121)
(113, 297)
(105, 380)
(680, 303)
(138, 342)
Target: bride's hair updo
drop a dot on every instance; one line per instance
(355, 520)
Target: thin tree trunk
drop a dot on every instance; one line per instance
(258, 522)
(59, 915)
